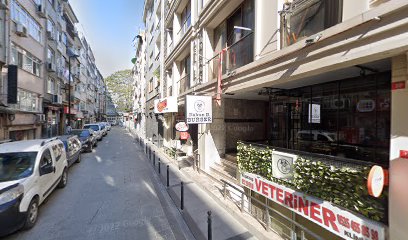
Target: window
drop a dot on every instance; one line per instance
(236, 32)
(185, 19)
(58, 150)
(19, 15)
(348, 118)
(150, 89)
(301, 19)
(27, 101)
(46, 159)
(50, 25)
(50, 56)
(24, 60)
(51, 86)
(64, 39)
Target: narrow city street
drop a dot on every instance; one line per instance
(111, 194)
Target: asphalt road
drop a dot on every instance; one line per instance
(111, 194)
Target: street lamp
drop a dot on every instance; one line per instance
(70, 55)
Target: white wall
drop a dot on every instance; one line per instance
(398, 198)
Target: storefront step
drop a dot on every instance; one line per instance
(221, 173)
(229, 164)
(231, 157)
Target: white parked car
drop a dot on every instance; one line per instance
(29, 172)
(97, 129)
(104, 128)
(108, 126)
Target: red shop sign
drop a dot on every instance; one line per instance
(398, 85)
(184, 135)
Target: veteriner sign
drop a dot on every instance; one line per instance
(342, 223)
(198, 109)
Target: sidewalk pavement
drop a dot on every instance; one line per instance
(202, 194)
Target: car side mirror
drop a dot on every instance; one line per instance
(47, 169)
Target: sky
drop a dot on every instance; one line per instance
(109, 28)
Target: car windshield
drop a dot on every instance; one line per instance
(14, 166)
(93, 127)
(81, 133)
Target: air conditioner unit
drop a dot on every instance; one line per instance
(40, 118)
(21, 30)
(51, 35)
(41, 10)
(51, 67)
(3, 4)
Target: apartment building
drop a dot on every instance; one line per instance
(316, 79)
(41, 85)
(152, 17)
(139, 82)
(4, 38)
(55, 66)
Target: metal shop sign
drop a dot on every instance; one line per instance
(198, 109)
(165, 105)
(338, 221)
(282, 164)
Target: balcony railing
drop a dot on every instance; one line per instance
(301, 19)
(169, 48)
(183, 84)
(237, 55)
(184, 27)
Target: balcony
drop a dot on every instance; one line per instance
(301, 19)
(237, 55)
(183, 84)
(169, 48)
(184, 28)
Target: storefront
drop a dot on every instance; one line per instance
(164, 109)
(322, 141)
(348, 118)
(52, 121)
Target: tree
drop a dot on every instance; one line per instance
(120, 84)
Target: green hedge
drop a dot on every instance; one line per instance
(343, 186)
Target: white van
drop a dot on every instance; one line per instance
(29, 172)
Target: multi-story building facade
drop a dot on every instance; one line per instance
(41, 67)
(55, 66)
(26, 48)
(152, 16)
(324, 79)
(139, 82)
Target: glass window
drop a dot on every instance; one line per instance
(14, 166)
(58, 149)
(301, 19)
(24, 60)
(348, 118)
(19, 15)
(46, 159)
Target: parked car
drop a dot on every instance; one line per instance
(29, 171)
(73, 148)
(104, 129)
(97, 129)
(108, 125)
(87, 138)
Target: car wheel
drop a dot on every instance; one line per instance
(32, 214)
(64, 179)
(79, 158)
(90, 148)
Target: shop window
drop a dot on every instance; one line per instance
(348, 118)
